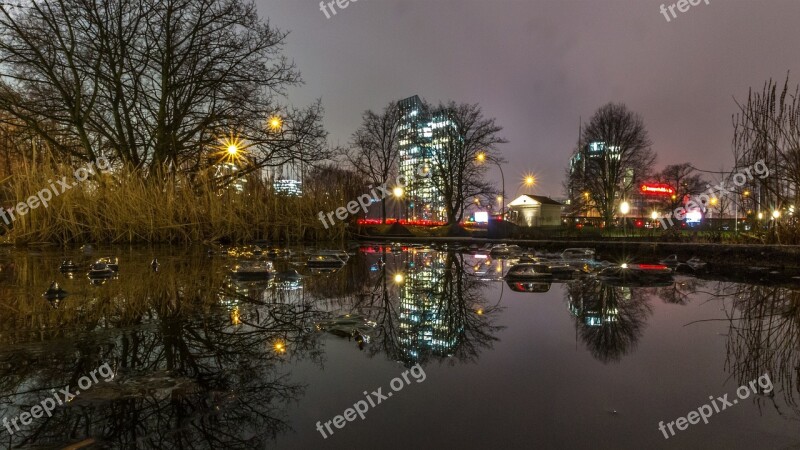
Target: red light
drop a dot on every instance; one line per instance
(652, 266)
(657, 189)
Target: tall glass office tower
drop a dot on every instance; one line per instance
(422, 133)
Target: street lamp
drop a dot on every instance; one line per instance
(776, 214)
(398, 193)
(483, 157)
(275, 123)
(624, 208)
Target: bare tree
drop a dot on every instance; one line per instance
(767, 129)
(154, 84)
(684, 179)
(374, 151)
(457, 171)
(622, 159)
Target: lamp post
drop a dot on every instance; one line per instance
(483, 157)
(398, 195)
(624, 208)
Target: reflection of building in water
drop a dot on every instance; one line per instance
(426, 326)
(271, 292)
(590, 305)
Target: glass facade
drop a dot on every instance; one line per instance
(422, 134)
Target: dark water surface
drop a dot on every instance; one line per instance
(200, 361)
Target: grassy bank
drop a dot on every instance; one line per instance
(122, 206)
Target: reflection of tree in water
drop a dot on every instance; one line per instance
(186, 377)
(680, 292)
(764, 337)
(609, 319)
(426, 306)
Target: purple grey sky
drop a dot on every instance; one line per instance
(537, 66)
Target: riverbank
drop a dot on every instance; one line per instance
(729, 256)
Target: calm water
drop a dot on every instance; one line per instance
(200, 361)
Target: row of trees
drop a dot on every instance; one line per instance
(456, 171)
(615, 156)
(175, 87)
(154, 85)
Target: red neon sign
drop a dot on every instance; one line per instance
(657, 189)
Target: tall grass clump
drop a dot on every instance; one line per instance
(123, 206)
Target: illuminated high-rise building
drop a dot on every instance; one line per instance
(422, 134)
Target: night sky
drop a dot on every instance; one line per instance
(538, 66)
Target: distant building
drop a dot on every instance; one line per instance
(287, 179)
(535, 211)
(592, 153)
(422, 133)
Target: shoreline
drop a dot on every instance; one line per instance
(736, 256)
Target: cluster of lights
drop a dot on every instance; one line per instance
(415, 222)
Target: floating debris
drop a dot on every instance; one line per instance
(67, 266)
(252, 270)
(101, 271)
(111, 261)
(289, 275)
(348, 326)
(55, 292)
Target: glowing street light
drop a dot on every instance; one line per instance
(399, 278)
(530, 180)
(760, 216)
(482, 158)
(398, 193)
(624, 208)
(776, 214)
(275, 123)
(231, 147)
(654, 215)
